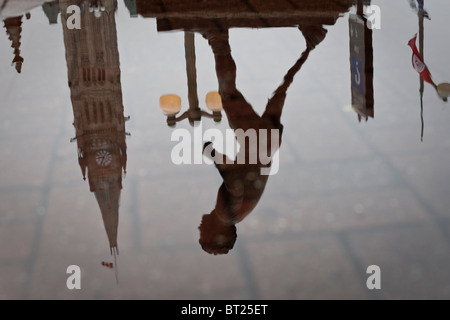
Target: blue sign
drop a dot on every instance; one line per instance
(357, 74)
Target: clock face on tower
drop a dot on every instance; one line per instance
(103, 158)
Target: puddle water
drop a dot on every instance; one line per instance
(236, 149)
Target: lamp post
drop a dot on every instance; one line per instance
(170, 104)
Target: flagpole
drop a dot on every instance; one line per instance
(421, 115)
(421, 43)
(421, 16)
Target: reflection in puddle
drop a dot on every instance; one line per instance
(13, 28)
(244, 182)
(443, 89)
(94, 79)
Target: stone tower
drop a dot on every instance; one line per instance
(94, 79)
(13, 28)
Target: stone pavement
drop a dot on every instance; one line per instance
(348, 194)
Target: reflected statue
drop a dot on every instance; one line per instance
(94, 79)
(243, 183)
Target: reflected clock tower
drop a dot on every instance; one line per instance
(94, 79)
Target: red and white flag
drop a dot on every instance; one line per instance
(418, 63)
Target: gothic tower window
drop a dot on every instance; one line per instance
(109, 110)
(86, 76)
(86, 112)
(99, 57)
(102, 113)
(84, 59)
(101, 74)
(95, 112)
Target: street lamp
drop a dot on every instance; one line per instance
(443, 90)
(170, 104)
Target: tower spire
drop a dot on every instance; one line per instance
(108, 198)
(93, 66)
(13, 28)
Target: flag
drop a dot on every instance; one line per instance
(418, 63)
